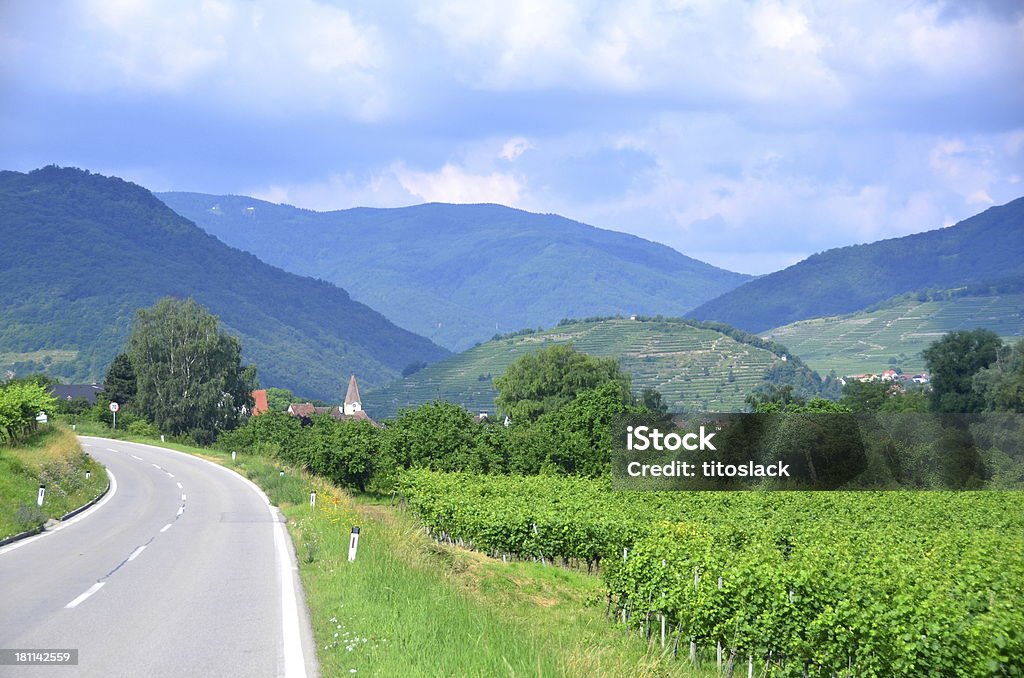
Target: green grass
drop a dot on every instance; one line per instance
(895, 335)
(484, 617)
(51, 456)
(411, 607)
(691, 367)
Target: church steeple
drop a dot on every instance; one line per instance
(353, 403)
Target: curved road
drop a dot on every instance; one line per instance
(183, 569)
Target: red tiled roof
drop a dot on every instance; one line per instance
(261, 405)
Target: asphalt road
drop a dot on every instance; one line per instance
(182, 570)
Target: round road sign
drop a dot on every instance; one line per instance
(114, 407)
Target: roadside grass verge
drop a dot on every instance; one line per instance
(411, 607)
(53, 457)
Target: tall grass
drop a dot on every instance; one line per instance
(53, 457)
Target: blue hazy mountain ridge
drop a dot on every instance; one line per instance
(987, 247)
(82, 252)
(460, 274)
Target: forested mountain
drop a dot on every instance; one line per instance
(986, 247)
(460, 274)
(697, 367)
(81, 252)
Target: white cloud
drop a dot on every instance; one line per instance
(514, 147)
(339, 190)
(394, 186)
(965, 168)
(259, 57)
(456, 185)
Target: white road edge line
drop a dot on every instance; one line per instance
(169, 473)
(180, 487)
(157, 467)
(71, 521)
(77, 601)
(133, 456)
(183, 496)
(181, 510)
(135, 554)
(294, 665)
(166, 527)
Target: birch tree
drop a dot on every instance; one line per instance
(189, 373)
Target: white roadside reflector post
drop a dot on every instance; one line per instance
(312, 498)
(353, 544)
(281, 474)
(232, 455)
(42, 493)
(88, 474)
(162, 438)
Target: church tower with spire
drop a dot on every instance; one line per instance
(353, 403)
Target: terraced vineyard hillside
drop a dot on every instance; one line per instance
(894, 336)
(695, 369)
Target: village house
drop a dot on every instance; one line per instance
(71, 391)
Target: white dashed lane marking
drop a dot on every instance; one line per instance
(78, 601)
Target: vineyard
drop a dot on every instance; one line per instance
(895, 335)
(695, 369)
(802, 584)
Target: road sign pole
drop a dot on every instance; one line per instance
(353, 544)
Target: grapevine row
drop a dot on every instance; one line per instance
(826, 584)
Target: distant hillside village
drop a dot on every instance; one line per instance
(894, 376)
(350, 410)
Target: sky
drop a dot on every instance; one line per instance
(745, 133)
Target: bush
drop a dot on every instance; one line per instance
(142, 428)
(28, 517)
(20, 402)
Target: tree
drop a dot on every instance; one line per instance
(868, 396)
(189, 374)
(270, 433)
(438, 435)
(119, 385)
(1001, 385)
(774, 398)
(278, 399)
(953, 361)
(543, 381)
(652, 400)
(37, 378)
(343, 451)
(580, 432)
